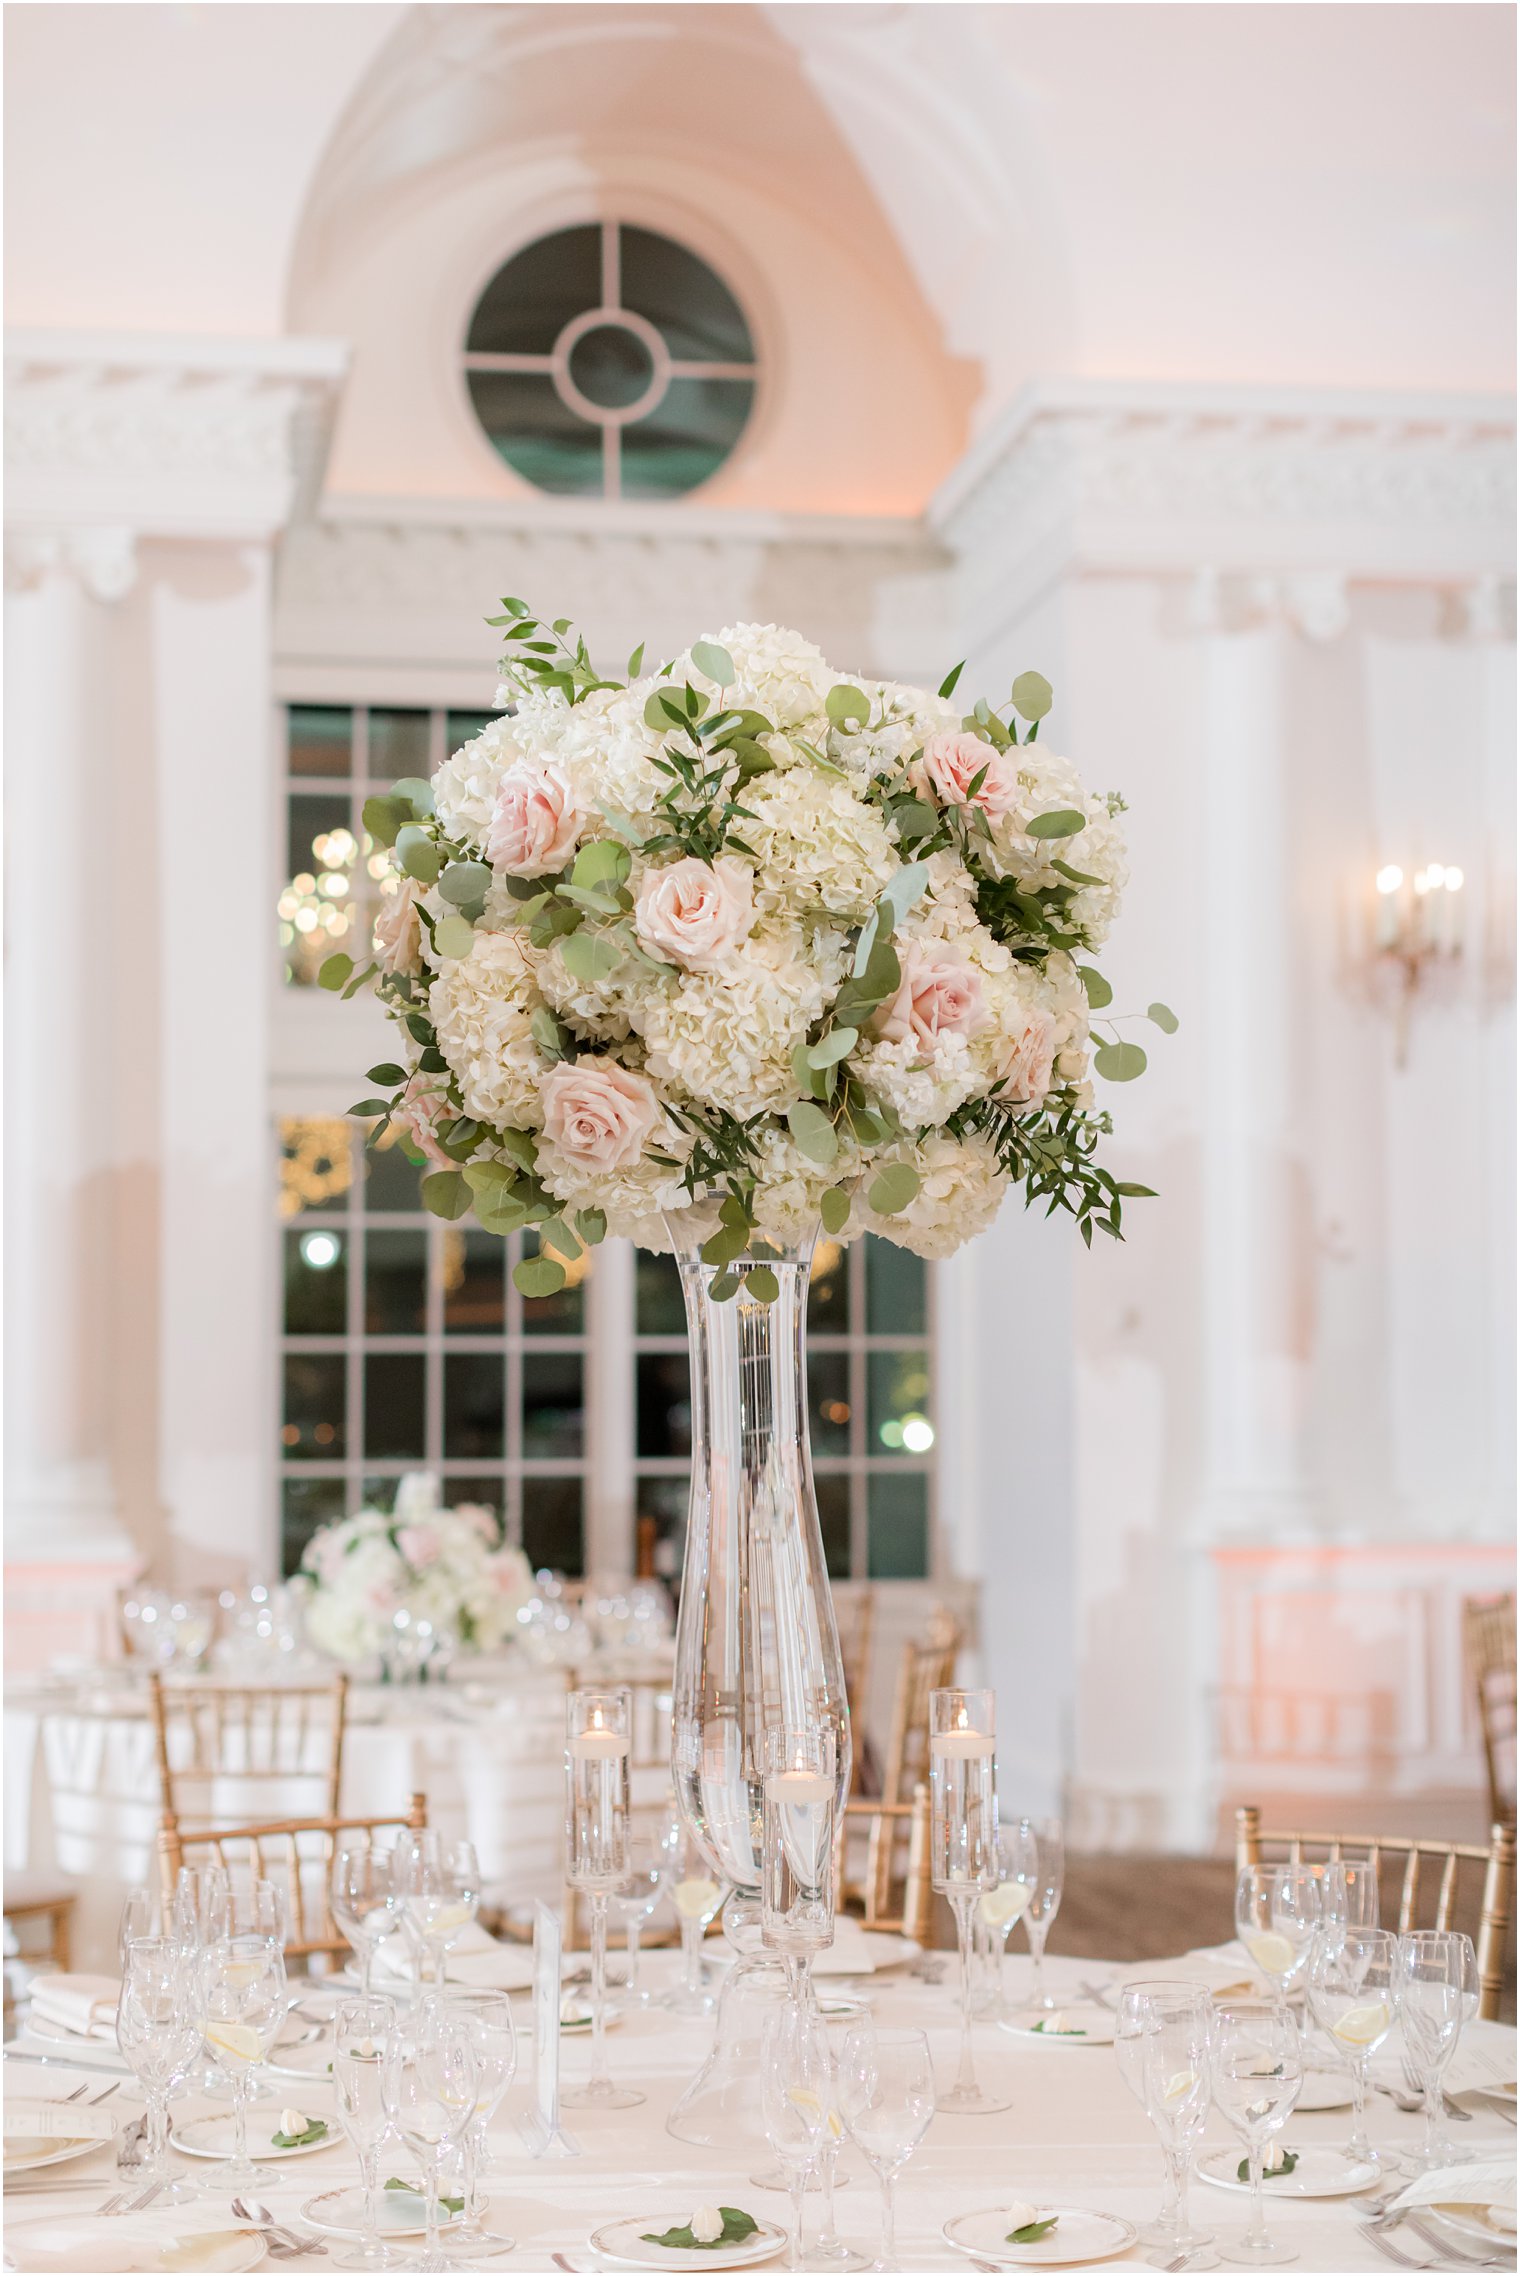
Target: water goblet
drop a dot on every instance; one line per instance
(202, 1911)
(365, 1903)
(1436, 1976)
(963, 1847)
(1277, 1913)
(1256, 2071)
(638, 1898)
(1161, 2042)
(363, 2032)
(886, 2098)
(1348, 1898)
(598, 1729)
(697, 1898)
(1353, 1986)
(158, 2031)
(242, 1998)
(139, 1919)
(487, 2016)
(430, 2084)
(440, 1897)
(794, 2098)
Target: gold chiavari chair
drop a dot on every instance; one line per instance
(1497, 1914)
(926, 1667)
(252, 1735)
(295, 1853)
(1488, 1647)
(899, 1903)
(855, 1644)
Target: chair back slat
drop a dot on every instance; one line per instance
(1488, 1647)
(1497, 1900)
(926, 1666)
(257, 1848)
(251, 1735)
(899, 1907)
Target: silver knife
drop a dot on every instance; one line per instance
(66, 2063)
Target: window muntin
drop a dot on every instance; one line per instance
(609, 361)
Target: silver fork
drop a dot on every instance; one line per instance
(249, 2209)
(1377, 2234)
(137, 2203)
(1097, 1993)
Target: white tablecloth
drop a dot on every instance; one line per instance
(1073, 2135)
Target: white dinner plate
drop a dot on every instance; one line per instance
(1088, 2026)
(1318, 2173)
(59, 2035)
(1482, 2224)
(313, 2061)
(123, 2248)
(624, 2240)
(1077, 2236)
(1323, 2090)
(24, 2153)
(213, 2137)
(398, 2212)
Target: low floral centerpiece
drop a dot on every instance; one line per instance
(448, 1568)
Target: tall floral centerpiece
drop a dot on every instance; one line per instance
(382, 1579)
(712, 956)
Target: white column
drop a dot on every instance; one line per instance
(65, 1546)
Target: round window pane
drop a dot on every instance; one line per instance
(609, 361)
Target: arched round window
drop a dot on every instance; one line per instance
(609, 362)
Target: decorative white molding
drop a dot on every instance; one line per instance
(110, 439)
(1312, 491)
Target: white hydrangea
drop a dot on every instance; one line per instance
(640, 1190)
(481, 1006)
(819, 847)
(1049, 782)
(465, 786)
(922, 1083)
(725, 1038)
(610, 1010)
(776, 672)
(960, 1192)
(790, 1186)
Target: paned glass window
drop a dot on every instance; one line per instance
(608, 361)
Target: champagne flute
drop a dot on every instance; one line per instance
(139, 1917)
(1256, 2069)
(598, 1733)
(364, 1902)
(886, 2098)
(1348, 1898)
(440, 1901)
(638, 1898)
(1044, 1895)
(487, 2017)
(794, 2100)
(430, 2087)
(158, 2031)
(962, 1847)
(363, 2033)
(998, 1908)
(1161, 2039)
(1436, 1975)
(242, 2007)
(1277, 1914)
(1353, 1985)
(830, 2249)
(696, 1897)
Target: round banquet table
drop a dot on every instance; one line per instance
(1074, 2135)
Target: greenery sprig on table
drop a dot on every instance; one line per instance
(737, 2225)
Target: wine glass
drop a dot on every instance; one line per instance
(829, 2249)
(1348, 1898)
(886, 2098)
(430, 2088)
(1044, 1892)
(1161, 2040)
(440, 1900)
(257, 1907)
(1353, 1984)
(487, 2017)
(365, 1904)
(1018, 1859)
(202, 1904)
(1277, 1912)
(242, 2007)
(794, 2099)
(363, 2032)
(139, 1919)
(638, 1898)
(1256, 2069)
(696, 1897)
(1436, 1975)
(158, 2031)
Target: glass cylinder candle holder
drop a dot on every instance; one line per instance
(963, 1847)
(797, 1861)
(598, 1732)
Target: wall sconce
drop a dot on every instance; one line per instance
(1419, 933)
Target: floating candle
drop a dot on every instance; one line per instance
(598, 1746)
(798, 1786)
(965, 1746)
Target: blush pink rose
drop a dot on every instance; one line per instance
(1025, 1075)
(417, 1117)
(951, 763)
(695, 912)
(419, 1545)
(536, 822)
(938, 994)
(598, 1113)
(398, 930)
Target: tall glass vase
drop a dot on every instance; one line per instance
(756, 1645)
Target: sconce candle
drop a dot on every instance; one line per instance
(797, 1863)
(963, 1844)
(1418, 927)
(598, 1728)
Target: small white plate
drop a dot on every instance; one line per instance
(213, 2137)
(59, 2035)
(118, 2248)
(624, 2240)
(399, 2212)
(1483, 2224)
(1322, 2090)
(1077, 2236)
(311, 2061)
(24, 2153)
(1318, 2173)
(1087, 2026)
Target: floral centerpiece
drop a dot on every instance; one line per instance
(728, 949)
(448, 1567)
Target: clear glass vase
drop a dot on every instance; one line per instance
(756, 1644)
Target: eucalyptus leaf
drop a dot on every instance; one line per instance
(762, 1285)
(904, 889)
(1162, 1016)
(590, 958)
(520, 1145)
(1033, 695)
(947, 684)
(335, 972)
(713, 662)
(538, 1276)
(724, 1287)
(464, 882)
(1119, 1062)
(866, 943)
(446, 1194)
(893, 1188)
(1062, 822)
(834, 1209)
(417, 792)
(814, 1132)
(1099, 992)
(454, 936)
(847, 704)
(601, 862)
(383, 817)
(417, 854)
(591, 1224)
(386, 1072)
(836, 1045)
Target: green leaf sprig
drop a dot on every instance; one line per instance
(449, 2205)
(315, 2131)
(1032, 2231)
(737, 2225)
(1277, 2172)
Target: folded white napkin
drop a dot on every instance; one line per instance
(475, 1959)
(65, 2121)
(1484, 2058)
(858, 1951)
(86, 2004)
(1488, 2181)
